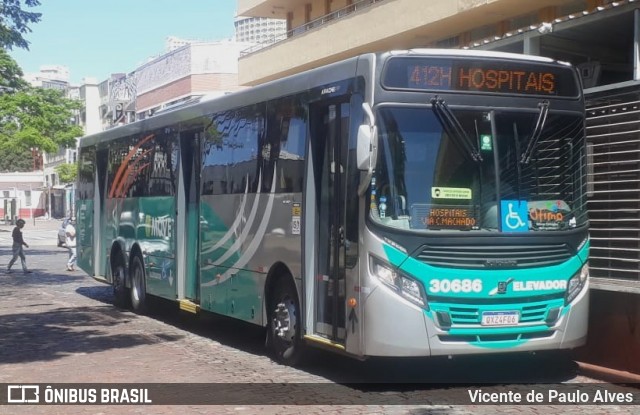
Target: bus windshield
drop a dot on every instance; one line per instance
(425, 179)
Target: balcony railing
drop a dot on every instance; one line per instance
(338, 14)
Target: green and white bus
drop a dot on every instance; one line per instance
(406, 203)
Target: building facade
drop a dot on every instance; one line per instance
(193, 70)
(188, 70)
(50, 77)
(22, 196)
(117, 100)
(325, 31)
(259, 30)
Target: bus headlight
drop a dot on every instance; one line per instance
(576, 283)
(402, 284)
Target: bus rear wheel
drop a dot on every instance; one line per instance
(284, 331)
(120, 291)
(138, 286)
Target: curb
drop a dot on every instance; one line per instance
(607, 374)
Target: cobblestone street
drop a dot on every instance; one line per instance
(61, 327)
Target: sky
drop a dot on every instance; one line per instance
(95, 38)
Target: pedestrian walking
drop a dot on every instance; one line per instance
(18, 243)
(70, 241)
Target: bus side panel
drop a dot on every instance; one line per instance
(155, 233)
(228, 287)
(84, 223)
(243, 235)
(217, 236)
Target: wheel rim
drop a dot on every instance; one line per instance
(285, 321)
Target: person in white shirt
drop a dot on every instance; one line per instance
(70, 241)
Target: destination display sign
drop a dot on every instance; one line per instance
(429, 216)
(479, 75)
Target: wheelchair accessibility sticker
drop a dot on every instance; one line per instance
(515, 215)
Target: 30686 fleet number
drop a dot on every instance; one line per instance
(455, 286)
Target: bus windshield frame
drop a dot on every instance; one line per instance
(424, 179)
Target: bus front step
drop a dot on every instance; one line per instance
(189, 306)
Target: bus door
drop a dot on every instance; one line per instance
(188, 215)
(329, 125)
(100, 245)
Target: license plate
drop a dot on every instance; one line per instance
(500, 318)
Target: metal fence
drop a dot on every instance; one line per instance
(613, 136)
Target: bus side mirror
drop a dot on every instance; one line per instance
(365, 147)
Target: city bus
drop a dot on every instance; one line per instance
(407, 203)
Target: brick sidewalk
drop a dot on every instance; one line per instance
(61, 327)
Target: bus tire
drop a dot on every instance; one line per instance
(284, 330)
(118, 280)
(138, 289)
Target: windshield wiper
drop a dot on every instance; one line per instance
(537, 132)
(453, 127)
(518, 166)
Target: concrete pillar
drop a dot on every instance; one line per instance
(531, 44)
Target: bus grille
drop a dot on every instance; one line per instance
(488, 338)
(488, 257)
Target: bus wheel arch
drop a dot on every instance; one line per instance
(284, 316)
(137, 281)
(118, 269)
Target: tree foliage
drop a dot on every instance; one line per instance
(36, 117)
(67, 172)
(29, 117)
(15, 21)
(12, 160)
(10, 74)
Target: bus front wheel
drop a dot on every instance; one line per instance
(138, 286)
(284, 330)
(120, 291)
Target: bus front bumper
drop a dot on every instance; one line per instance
(394, 326)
